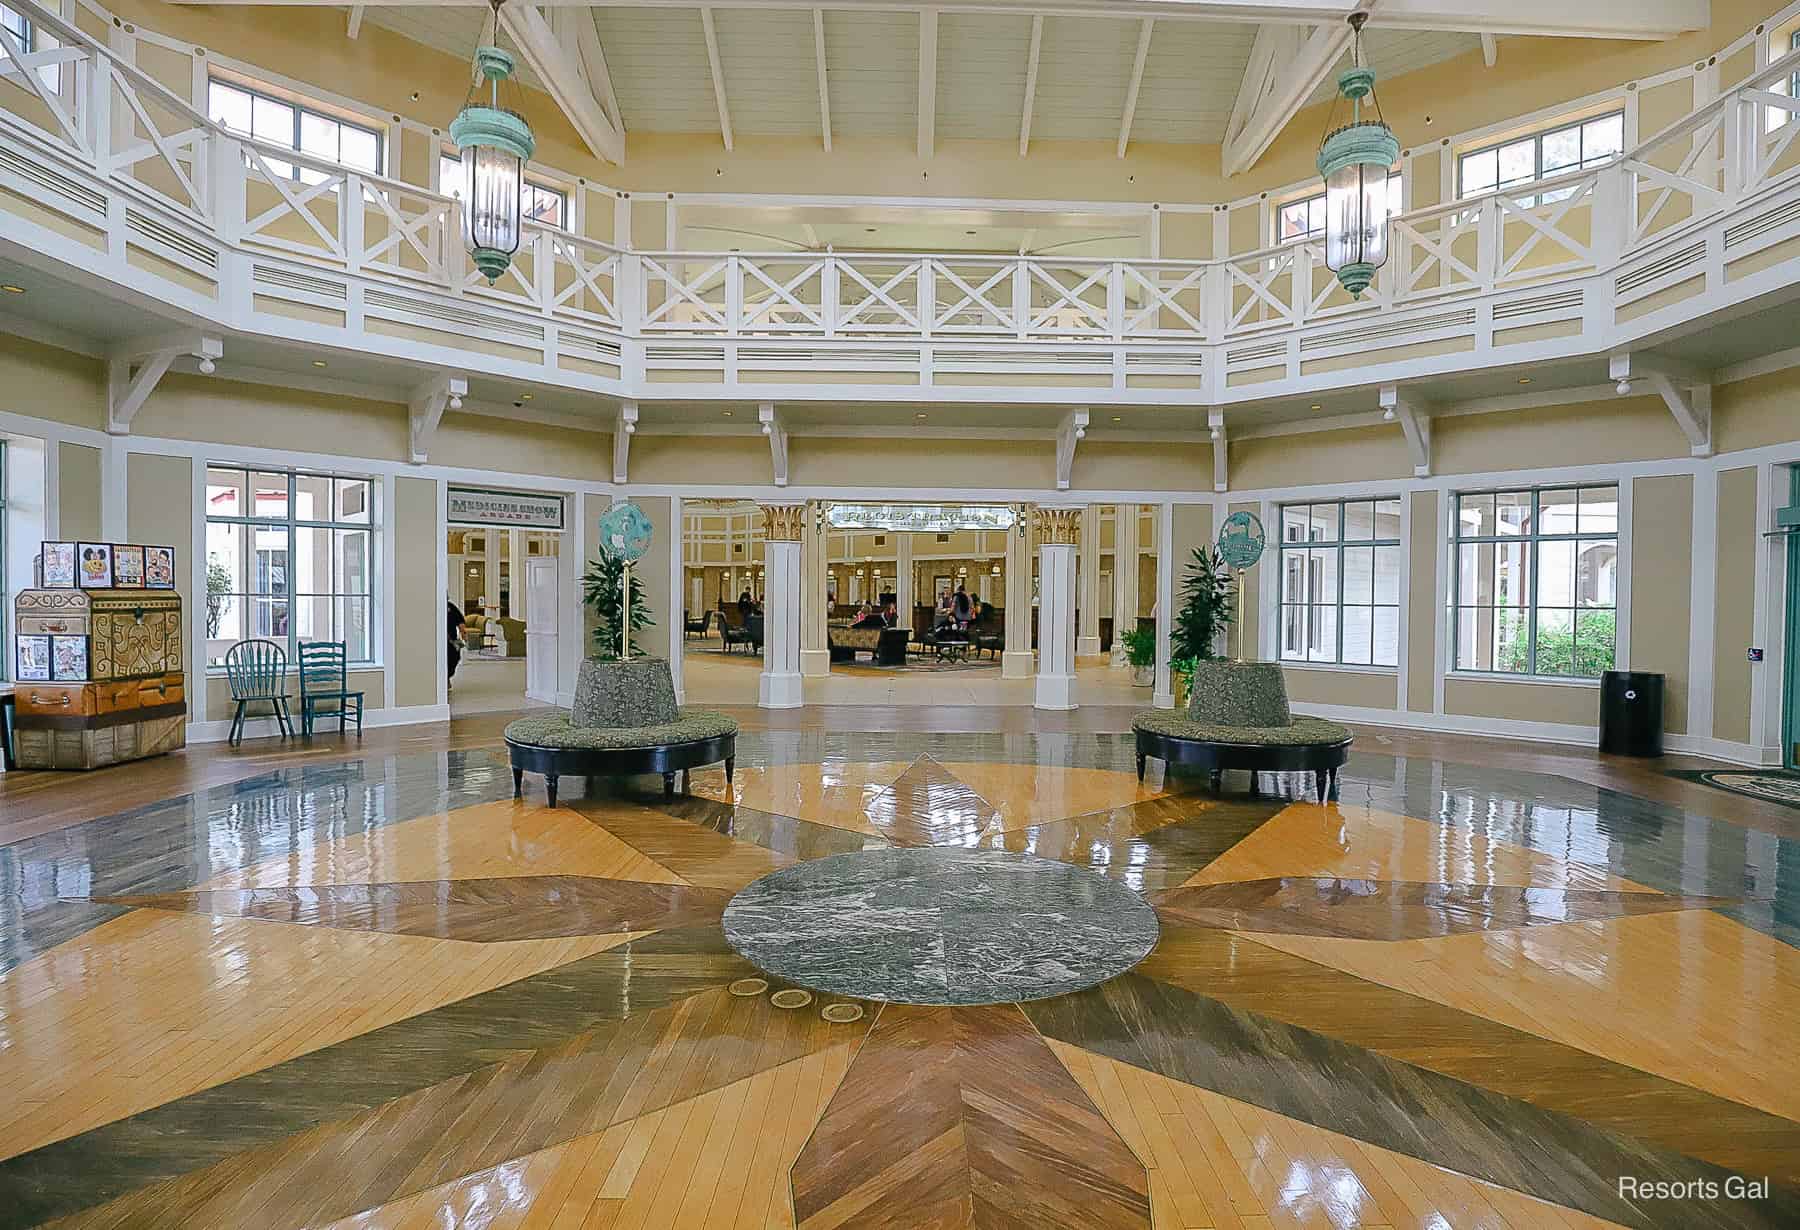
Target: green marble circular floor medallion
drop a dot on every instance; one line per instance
(941, 926)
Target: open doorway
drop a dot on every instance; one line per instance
(505, 580)
(723, 595)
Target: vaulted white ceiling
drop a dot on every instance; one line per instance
(657, 58)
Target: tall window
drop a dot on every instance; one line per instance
(539, 202)
(288, 557)
(1340, 582)
(1305, 218)
(1555, 151)
(1537, 581)
(301, 128)
(6, 662)
(31, 39)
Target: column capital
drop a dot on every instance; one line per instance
(784, 522)
(1059, 527)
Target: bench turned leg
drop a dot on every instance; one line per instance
(730, 764)
(668, 785)
(550, 787)
(518, 783)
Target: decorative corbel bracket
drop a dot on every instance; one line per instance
(1068, 435)
(1415, 420)
(1215, 425)
(425, 410)
(1684, 388)
(623, 430)
(134, 368)
(778, 440)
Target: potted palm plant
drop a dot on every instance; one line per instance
(1207, 592)
(1140, 652)
(603, 590)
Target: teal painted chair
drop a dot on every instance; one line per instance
(324, 687)
(257, 672)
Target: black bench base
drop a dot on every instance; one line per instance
(1322, 760)
(669, 760)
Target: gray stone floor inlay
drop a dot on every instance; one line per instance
(940, 925)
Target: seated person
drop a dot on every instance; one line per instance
(868, 617)
(959, 608)
(890, 615)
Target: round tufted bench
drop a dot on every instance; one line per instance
(551, 746)
(1238, 718)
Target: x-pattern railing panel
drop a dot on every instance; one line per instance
(1162, 297)
(1546, 227)
(769, 298)
(1698, 175)
(1776, 122)
(975, 309)
(166, 149)
(1419, 254)
(882, 307)
(1273, 267)
(1072, 308)
(295, 200)
(422, 233)
(684, 305)
(21, 68)
(598, 279)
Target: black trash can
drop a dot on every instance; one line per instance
(1631, 713)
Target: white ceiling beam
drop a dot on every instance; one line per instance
(575, 27)
(718, 74)
(1031, 67)
(623, 429)
(1635, 19)
(354, 26)
(1290, 83)
(928, 42)
(1274, 45)
(1490, 49)
(773, 428)
(1137, 79)
(425, 411)
(1215, 427)
(1068, 435)
(824, 81)
(1415, 422)
(547, 58)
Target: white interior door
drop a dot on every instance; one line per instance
(541, 591)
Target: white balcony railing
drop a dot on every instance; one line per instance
(99, 131)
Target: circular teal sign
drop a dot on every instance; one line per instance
(625, 532)
(1241, 540)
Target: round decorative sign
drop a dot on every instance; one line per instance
(625, 532)
(1241, 540)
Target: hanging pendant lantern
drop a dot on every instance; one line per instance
(1355, 161)
(494, 143)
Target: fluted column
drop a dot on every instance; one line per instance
(1087, 605)
(1059, 532)
(1017, 662)
(815, 653)
(1125, 578)
(780, 686)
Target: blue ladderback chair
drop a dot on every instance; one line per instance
(257, 671)
(324, 686)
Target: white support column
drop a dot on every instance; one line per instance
(903, 579)
(1164, 694)
(780, 685)
(1017, 661)
(1087, 639)
(1125, 578)
(1059, 532)
(815, 654)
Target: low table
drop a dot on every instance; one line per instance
(952, 651)
(1308, 745)
(549, 745)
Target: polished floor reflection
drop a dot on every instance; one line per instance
(377, 992)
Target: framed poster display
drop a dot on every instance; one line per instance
(59, 565)
(159, 567)
(33, 659)
(93, 565)
(128, 567)
(69, 657)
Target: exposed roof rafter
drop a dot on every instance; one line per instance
(353, 26)
(718, 75)
(1289, 81)
(1031, 70)
(1137, 79)
(818, 23)
(928, 46)
(544, 53)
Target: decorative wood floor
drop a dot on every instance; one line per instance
(357, 985)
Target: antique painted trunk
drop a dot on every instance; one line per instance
(115, 689)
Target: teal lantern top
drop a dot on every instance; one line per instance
(494, 144)
(1355, 161)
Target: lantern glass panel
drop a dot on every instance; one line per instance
(491, 179)
(1356, 212)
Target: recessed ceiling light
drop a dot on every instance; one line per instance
(868, 230)
(726, 413)
(968, 232)
(1317, 406)
(1117, 419)
(1524, 379)
(525, 397)
(318, 363)
(919, 415)
(10, 289)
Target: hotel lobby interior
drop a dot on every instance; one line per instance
(1179, 614)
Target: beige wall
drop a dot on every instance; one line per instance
(902, 462)
(45, 383)
(1662, 569)
(1761, 410)
(1362, 689)
(1347, 455)
(1564, 704)
(159, 511)
(1734, 613)
(78, 492)
(657, 577)
(1140, 465)
(1618, 429)
(418, 602)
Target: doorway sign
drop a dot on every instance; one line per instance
(528, 510)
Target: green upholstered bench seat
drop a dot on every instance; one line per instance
(1176, 724)
(690, 725)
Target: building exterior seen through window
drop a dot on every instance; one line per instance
(289, 557)
(1340, 582)
(1536, 581)
(1540, 155)
(309, 131)
(539, 202)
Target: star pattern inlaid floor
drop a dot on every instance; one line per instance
(384, 995)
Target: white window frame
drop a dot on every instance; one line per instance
(1537, 137)
(1285, 549)
(250, 521)
(32, 39)
(1531, 542)
(300, 109)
